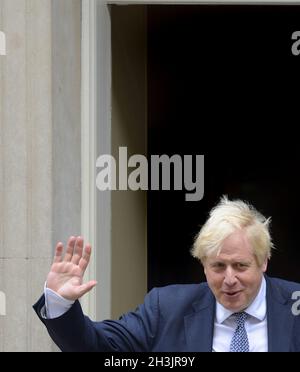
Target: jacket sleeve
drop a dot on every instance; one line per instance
(134, 331)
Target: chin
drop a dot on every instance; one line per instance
(234, 303)
(236, 307)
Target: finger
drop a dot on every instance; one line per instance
(78, 248)
(84, 288)
(70, 249)
(85, 259)
(58, 252)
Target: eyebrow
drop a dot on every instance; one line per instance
(235, 261)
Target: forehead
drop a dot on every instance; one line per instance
(236, 246)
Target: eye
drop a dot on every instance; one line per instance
(218, 265)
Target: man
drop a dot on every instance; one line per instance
(238, 309)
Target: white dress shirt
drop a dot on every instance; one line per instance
(255, 324)
(224, 325)
(55, 305)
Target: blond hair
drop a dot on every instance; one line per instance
(228, 217)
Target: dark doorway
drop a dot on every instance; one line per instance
(222, 82)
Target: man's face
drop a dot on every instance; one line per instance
(234, 275)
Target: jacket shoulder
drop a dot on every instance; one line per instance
(285, 284)
(183, 290)
(180, 297)
(284, 287)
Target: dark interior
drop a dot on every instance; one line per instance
(222, 82)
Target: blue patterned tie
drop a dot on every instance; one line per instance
(239, 342)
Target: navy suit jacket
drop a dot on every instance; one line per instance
(175, 318)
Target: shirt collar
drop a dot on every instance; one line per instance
(257, 308)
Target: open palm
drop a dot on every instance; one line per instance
(66, 274)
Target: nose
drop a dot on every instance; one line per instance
(230, 278)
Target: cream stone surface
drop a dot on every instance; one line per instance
(39, 155)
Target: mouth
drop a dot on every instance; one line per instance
(232, 294)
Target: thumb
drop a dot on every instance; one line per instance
(86, 287)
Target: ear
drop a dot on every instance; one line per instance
(203, 265)
(265, 265)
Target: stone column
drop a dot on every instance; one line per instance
(39, 155)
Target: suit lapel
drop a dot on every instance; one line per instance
(279, 317)
(199, 325)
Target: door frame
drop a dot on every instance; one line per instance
(96, 140)
(96, 136)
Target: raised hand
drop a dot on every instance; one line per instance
(66, 274)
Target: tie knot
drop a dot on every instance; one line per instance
(240, 318)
